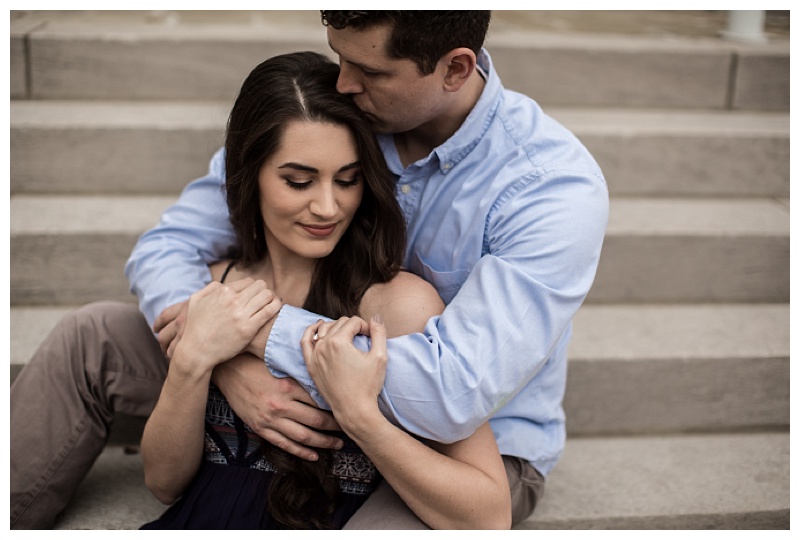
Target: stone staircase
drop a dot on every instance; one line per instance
(678, 393)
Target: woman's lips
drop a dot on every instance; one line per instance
(320, 231)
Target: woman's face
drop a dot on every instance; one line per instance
(310, 189)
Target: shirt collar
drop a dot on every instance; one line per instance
(471, 131)
(477, 122)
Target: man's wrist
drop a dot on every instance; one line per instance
(258, 346)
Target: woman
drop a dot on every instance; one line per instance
(313, 207)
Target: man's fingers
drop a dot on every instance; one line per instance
(304, 436)
(310, 416)
(167, 316)
(171, 349)
(291, 432)
(288, 446)
(167, 336)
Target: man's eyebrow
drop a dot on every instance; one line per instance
(306, 168)
(359, 65)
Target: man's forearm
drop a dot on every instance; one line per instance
(170, 261)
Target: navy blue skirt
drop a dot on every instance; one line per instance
(233, 497)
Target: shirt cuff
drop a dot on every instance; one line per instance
(283, 355)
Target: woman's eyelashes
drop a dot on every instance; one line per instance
(297, 184)
(348, 182)
(305, 184)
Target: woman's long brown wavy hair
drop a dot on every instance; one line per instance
(285, 88)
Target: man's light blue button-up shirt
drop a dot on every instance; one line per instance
(506, 219)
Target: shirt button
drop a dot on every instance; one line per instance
(448, 166)
(406, 189)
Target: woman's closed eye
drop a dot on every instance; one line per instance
(298, 184)
(348, 182)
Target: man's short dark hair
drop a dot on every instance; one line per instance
(421, 36)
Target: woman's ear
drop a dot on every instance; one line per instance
(460, 64)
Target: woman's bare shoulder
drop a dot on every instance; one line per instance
(218, 269)
(405, 303)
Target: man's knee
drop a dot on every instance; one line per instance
(108, 318)
(526, 485)
(94, 337)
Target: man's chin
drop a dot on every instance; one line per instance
(377, 126)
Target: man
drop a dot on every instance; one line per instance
(506, 213)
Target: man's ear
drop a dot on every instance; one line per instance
(460, 64)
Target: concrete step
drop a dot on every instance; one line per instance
(157, 147)
(694, 250)
(72, 249)
(132, 147)
(634, 369)
(738, 481)
(678, 368)
(724, 481)
(94, 57)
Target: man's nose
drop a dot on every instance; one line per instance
(348, 82)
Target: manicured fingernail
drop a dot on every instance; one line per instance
(377, 318)
(313, 457)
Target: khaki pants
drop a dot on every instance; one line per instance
(384, 509)
(103, 359)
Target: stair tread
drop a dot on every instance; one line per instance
(606, 482)
(632, 332)
(89, 214)
(99, 114)
(644, 216)
(294, 25)
(616, 478)
(638, 216)
(212, 114)
(684, 331)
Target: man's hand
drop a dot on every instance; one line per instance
(169, 326)
(278, 410)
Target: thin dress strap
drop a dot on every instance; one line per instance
(225, 273)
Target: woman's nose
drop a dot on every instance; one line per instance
(324, 203)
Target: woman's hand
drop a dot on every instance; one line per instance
(222, 319)
(348, 378)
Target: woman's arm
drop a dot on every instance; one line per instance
(461, 485)
(172, 443)
(449, 486)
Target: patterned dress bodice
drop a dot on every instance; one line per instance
(229, 441)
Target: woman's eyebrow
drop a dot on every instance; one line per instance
(306, 168)
(298, 166)
(349, 166)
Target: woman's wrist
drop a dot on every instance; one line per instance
(359, 421)
(190, 365)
